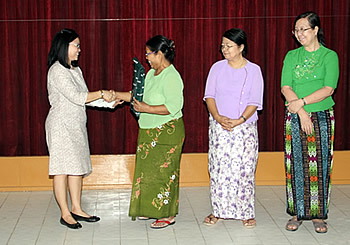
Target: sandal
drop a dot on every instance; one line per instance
(320, 225)
(211, 220)
(165, 223)
(143, 218)
(249, 223)
(293, 224)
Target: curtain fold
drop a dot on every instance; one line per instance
(113, 32)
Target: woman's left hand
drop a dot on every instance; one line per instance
(108, 95)
(234, 123)
(295, 105)
(140, 106)
(305, 122)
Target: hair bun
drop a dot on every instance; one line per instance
(171, 45)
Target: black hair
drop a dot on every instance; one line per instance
(237, 36)
(314, 20)
(59, 48)
(161, 43)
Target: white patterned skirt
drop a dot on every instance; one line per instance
(233, 157)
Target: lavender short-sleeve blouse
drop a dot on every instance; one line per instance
(235, 89)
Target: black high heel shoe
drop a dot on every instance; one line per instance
(87, 219)
(71, 226)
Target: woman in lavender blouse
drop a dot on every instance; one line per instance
(234, 93)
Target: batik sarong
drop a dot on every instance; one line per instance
(155, 190)
(232, 162)
(308, 165)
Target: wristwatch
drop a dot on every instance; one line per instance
(102, 93)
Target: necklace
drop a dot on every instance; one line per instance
(313, 48)
(241, 64)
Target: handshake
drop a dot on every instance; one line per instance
(109, 99)
(111, 96)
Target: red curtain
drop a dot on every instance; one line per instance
(113, 32)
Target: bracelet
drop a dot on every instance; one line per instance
(245, 119)
(102, 94)
(303, 101)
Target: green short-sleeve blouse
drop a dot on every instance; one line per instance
(163, 89)
(307, 72)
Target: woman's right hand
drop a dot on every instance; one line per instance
(225, 122)
(306, 123)
(295, 105)
(108, 95)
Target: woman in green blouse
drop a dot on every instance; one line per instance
(155, 191)
(309, 76)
